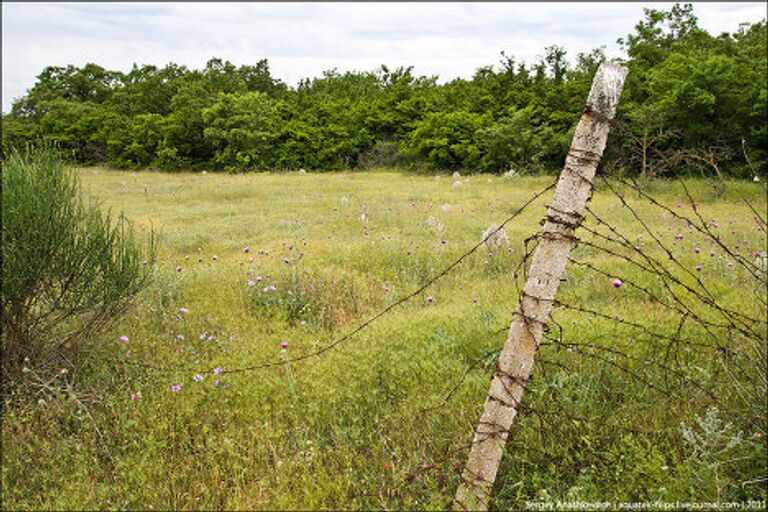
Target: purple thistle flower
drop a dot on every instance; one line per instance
(215, 257)
(698, 268)
(679, 236)
(474, 300)
(258, 279)
(430, 299)
(199, 260)
(251, 284)
(246, 250)
(730, 264)
(178, 269)
(284, 345)
(696, 250)
(711, 253)
(617, 283)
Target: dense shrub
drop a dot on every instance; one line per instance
(68, 269)
(693, 102)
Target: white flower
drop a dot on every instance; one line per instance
(511, 174)
(456, 174)
(456, 184)
(435, 225)
(495, 241)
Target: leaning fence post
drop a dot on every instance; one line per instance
(547, 267)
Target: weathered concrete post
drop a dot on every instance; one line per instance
(547, 267)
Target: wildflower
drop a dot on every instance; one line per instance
(617, 283)
(389, 465)
(730, 264)
(216, 382)
(246, 250)
(199, 260)
(698, 268)
(443, 242)
(251, 284)
(198, 378)
(474, 300)
(180, 337)
(679, 236)
(284, 345)
(175, 388)
(495, 238)
(696, 250)
(124, 339)
(215, 257)
(134, 396)
(456, 184)
(258, 279)
(178, 269)
(430, 299)
(183, 310)
(203, 336)
(287, 261)
(456, 174)
(711, 253)
(217, 371)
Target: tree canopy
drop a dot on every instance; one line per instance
(693, 102)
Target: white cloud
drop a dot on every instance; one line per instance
(302, 40)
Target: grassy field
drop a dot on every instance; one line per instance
(248, 262)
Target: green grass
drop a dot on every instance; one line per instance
(357, 428)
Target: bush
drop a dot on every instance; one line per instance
(68, 270)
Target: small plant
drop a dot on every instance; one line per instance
(712, 444)
(68, 269)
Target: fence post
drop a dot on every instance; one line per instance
(547, 267)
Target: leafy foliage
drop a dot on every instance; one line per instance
(693, 102)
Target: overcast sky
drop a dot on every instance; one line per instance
(303, 39)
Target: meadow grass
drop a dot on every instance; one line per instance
(366, 425)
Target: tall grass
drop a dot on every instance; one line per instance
(367, 425)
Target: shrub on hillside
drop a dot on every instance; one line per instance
(68, 269)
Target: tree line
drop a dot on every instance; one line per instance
(693, 102)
